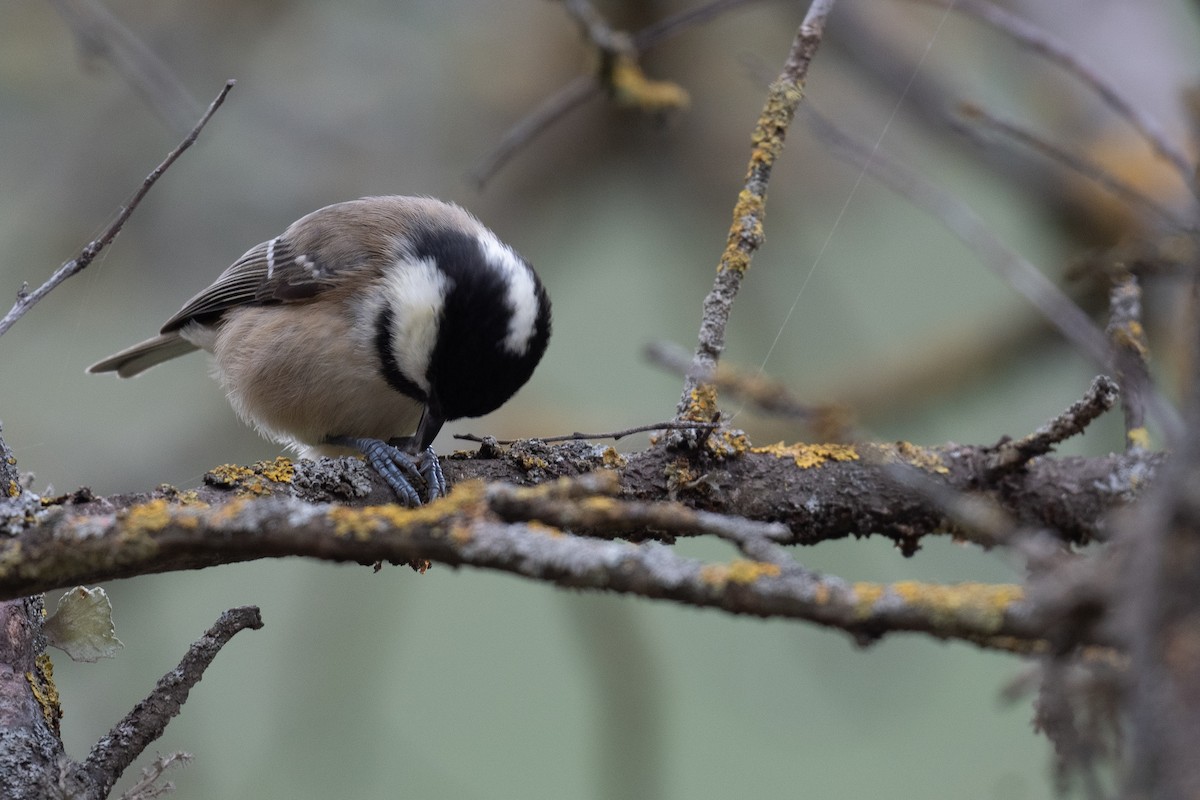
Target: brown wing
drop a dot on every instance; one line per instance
(269, 273)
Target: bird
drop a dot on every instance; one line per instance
(363, 328)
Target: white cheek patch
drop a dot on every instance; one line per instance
(522, 292)
(417, 293)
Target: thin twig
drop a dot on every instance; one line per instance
(667, 27)
(26, 300)
(746, 233)
(1043, 43)
(552, 109)
(595, 28)
(767, 395)
(976, 518)
(146, 722)
(1027, 280)
(670, 425)
(603, 515)
(148, 786)
(1014, 454)
(1076, 163)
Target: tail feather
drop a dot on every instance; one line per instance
(143, 356)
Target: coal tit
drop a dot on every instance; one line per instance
(363, 328)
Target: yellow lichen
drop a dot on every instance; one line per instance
(256, 481)
(739, 571)
(946, 604)
(13, 488)
(41, 683)
(702, 404)
(728, 443)
(190, 498)
(362, 523)
(148, 517)
(611, 459)
(631, 87)
(530, 463)
(1130, 336)
(281, 470)
(230, 474)
(808, 456)
(680, 475)
(743, 571)
(776, 116)
(1138, 437)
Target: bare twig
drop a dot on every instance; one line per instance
(1043, 43)
(148, 786)
(146, 722)
(26, 300)
(552, 109)
(1078, 164)
(767, 395)
(1014, 454)
(956, 216)
(746, 233)
(667, 27)
(669, 425)
(100, 34)
(602, 515)
(595, 27)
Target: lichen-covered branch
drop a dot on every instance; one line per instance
(461, 531)
(698, 402)
(564, 532)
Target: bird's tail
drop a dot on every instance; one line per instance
(143, 356)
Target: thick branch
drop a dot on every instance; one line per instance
(808, 492)
(160, 536)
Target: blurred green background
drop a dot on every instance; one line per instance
(460, 684)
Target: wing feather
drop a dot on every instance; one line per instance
(267, 274)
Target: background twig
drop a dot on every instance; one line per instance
(26, 300)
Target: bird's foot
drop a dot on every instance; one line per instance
(401, 471)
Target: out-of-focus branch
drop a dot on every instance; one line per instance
(767, 395)
(26, 300)
(101, 35)
(1051, 48)
(746, 233)
(1054, 305)
(552, 109)
(1076, 163)
(619, 73)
